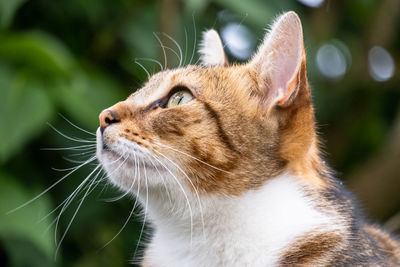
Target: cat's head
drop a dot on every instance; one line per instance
(216, 127)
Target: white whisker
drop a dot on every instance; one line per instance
(178, 46)
(75, 139)
(173, 51)
(194, 43)
(91, 151)
(73, 216)
(152, 60)
(162, 178)
(148, 74)
(133, 208)
(127, 191)
(92, 154)
(62, 203)
(76, 126)
(163, 50)
(190, 156)
(185, 195)
(70, 199)
(68, 169)
(50, 187)
(145, 207)
(186, 47)
(122, 228)
(191, 183)
(83, 147)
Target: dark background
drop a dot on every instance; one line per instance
(77, 57)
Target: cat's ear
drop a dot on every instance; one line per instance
(211, 50)
(279, 60)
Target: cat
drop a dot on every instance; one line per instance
(225, 161)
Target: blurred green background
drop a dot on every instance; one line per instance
(77, 57)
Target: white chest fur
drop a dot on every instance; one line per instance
(251, 230)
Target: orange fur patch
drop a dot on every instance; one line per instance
(228, 125)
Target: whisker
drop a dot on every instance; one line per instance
(195, 37)
(127, 191)
(173, 51)
(100, 180)
(163, 49)
(105, 174)
(137, 167)
(64, 169)
(148, 74)
(122, 228)
(178, 46)
(162, 178)
(61, 204)
(95, 183)
(184, 193)
(73, 217)
(53, 185)
(186, 46)
(105, 186)
(152, 60)
(91, 151)
(83, 147)
(145, 209)
(80, 154)
(70, 138)
(71, 198)
(191, 183)
(76, 126)
(131, 212)
(190, 156)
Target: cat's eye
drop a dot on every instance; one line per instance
(179, 98)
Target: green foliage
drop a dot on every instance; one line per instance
(7, 11)
(77, 57)
(20, 88)
(25, 235)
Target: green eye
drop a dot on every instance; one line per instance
(179, 98)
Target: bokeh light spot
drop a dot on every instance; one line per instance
(381, 64)
(238, 39)
(311, 3)
(331, 61)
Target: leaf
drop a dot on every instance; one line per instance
(7, 10)
(37, 50)
(22, 229)
(24, 109)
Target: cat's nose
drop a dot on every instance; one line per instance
(107, 117)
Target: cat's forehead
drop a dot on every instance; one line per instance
(162, 82)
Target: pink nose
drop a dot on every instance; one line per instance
(106, 118)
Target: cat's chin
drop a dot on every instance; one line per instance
(133, 169)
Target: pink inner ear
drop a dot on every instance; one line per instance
(280, 57)
(286, 60)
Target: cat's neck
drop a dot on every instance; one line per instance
(268, 219)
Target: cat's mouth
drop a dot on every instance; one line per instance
(104, 150)
(108, 155)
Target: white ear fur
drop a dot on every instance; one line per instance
(211, 49)
(279, 58)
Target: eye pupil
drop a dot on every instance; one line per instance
(180, 100)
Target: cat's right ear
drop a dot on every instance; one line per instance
(211, 50)
(279, 60)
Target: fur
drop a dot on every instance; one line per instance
(211, 50)
(234, 177)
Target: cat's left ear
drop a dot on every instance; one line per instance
(279, 60)
(211, 50)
